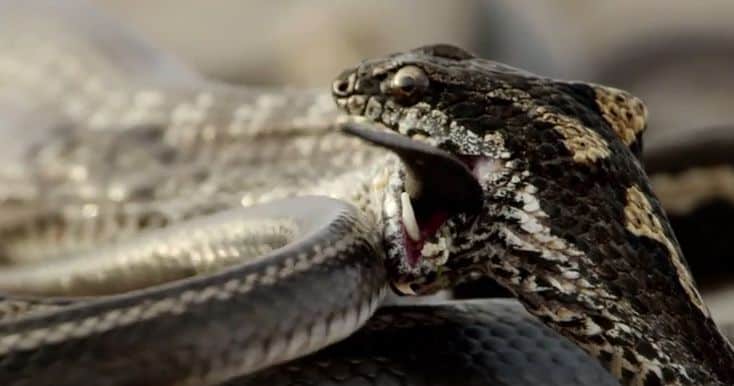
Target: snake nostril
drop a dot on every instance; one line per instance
(341, 87)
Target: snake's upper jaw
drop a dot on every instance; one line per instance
(434, 177)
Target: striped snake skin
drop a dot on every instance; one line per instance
(160, 228)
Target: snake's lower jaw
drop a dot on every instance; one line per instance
(403, 288)
(408, 288)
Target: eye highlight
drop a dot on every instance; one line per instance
(409, 81)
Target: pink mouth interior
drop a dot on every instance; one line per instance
(428, 227)
(428, 223)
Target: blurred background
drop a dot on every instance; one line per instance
(675, 54)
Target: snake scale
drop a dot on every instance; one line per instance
(159, 228)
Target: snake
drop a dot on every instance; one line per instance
(161, 228)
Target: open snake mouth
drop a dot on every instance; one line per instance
(423, 202)
(431, 200)
(417, 230)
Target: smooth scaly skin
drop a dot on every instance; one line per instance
(445, 343)
(124, 151)
(569, 224)
(212, 327)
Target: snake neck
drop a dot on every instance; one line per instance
(634, 350)
(644, 328)
(607, 275)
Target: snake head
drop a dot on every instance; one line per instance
(433, 197)
(472, 135)
(427, 106)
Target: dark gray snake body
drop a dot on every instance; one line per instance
(132, 169)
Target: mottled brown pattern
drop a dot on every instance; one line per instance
(642, 221)
(626, 113)
(586, 145)
(569, 223)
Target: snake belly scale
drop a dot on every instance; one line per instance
(129, 214)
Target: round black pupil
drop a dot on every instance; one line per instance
(407, 83)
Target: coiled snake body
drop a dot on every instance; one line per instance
(134, 255)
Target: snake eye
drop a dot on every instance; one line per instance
(409, 81)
